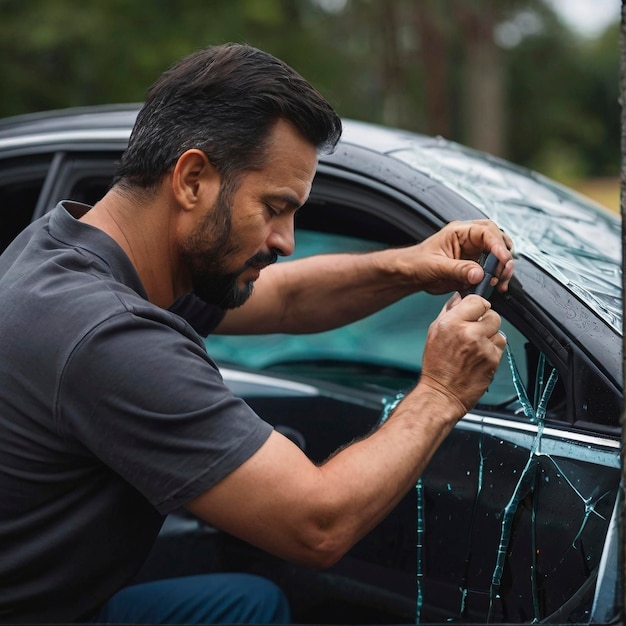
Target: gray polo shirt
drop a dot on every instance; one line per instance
(111, 415)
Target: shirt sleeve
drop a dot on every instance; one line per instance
(148, 402)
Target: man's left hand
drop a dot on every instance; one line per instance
(447, 260)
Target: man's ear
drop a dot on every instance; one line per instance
(195, 181)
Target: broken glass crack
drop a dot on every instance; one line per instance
(478, 580)
(526, 482)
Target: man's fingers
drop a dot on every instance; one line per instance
(485, 236)
(470, 309)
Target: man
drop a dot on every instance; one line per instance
(111, 412)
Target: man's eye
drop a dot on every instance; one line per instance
(271, 210)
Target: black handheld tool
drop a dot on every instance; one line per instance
(489, 263)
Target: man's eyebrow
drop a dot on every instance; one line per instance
(285, 199)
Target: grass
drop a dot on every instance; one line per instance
(604, 191)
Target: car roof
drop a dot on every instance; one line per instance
(89, 118)
(109, 125)
(577, 242)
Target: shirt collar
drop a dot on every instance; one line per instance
(66, 227)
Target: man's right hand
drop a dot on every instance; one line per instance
(463, 350)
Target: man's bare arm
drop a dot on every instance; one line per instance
(283, 503)
(328, 291)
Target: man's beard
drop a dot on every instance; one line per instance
(205, 256)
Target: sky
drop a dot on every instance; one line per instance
(589, 17)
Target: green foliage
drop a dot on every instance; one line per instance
(376, 60)
(564, 109)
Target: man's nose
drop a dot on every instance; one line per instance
(282, 239)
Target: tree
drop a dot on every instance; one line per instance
(540, 97)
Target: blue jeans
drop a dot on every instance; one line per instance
(205, 599)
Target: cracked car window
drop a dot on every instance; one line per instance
(516, 531)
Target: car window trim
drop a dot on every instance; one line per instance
(48, 185)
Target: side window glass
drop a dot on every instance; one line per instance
(83, 178)
(503, 392)
(90, 189)
(21, 181)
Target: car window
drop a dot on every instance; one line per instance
(21, 181)
(81, 177)
(381, 351)
(509, 519)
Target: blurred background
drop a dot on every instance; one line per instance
(534, 81)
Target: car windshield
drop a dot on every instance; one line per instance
(574, 240)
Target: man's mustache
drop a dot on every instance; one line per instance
(262, 259)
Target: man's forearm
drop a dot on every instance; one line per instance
(327, 291)
(320, 293)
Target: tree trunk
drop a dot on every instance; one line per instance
(392, 76)
(483, 81)
(434, 58)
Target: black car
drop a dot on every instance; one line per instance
(516, 517)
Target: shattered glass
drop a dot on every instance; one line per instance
(535, 412)
(528, 521)
(581, 248)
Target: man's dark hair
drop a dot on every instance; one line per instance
(224, 101)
